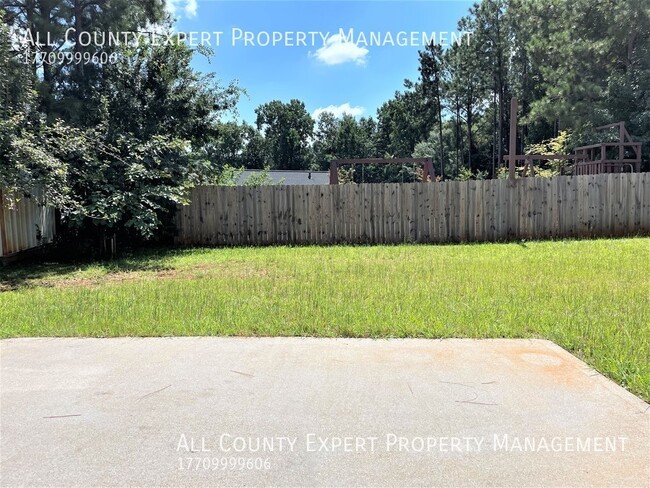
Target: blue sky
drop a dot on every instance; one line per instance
(330, 74)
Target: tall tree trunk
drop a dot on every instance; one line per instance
(494, 131)
(78, 25)
(458, 137)
(45, 15)
(499, 89)
(501, 116)
(469, 136)
(30, 26)
(442, 149)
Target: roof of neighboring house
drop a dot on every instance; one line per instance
(288, 177)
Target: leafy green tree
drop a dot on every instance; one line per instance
(325, 140)
(26, 164)
(403, 121)
(368, 127)
(431, 76)
(287, 128)
(154, 90)
(350, 139)
(226, 147)
(254, 153)
(123, 185)
(593, 63)
(143, 157)
(492, 43)
(428, 147)
(125, 175)
(236, 144)
(468, 85)
(54, 27)
(347, 138)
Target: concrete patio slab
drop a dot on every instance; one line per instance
(313, 412)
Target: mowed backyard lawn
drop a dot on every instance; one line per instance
(590, 297)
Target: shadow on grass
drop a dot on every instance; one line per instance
(37, 270)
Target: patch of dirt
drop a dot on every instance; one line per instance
(199, 271)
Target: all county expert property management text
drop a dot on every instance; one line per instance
(238, 37)
(231, 444)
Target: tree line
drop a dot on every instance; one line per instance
(118, 145)
(574, 65)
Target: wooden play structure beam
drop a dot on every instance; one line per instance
(512, 150)
(604, 157)
(428, 173)
(609, 157)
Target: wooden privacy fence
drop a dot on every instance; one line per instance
(452, 211)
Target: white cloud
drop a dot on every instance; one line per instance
(339, 110)
(338, 51)
(188, 6)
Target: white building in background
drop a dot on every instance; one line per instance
(24, 225)
(288, 177)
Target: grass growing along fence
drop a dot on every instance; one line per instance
(590, 297)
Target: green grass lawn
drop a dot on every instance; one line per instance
(590, 297)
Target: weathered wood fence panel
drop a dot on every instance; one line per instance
(487, 210)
